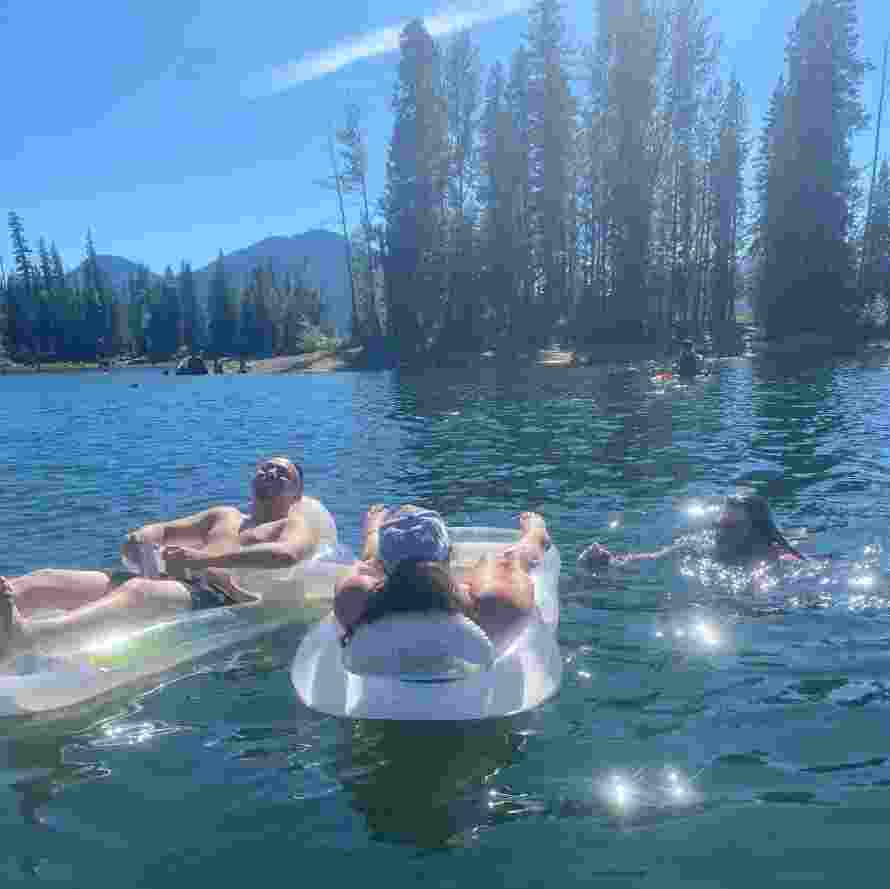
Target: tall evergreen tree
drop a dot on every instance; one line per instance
(501, 197)
(518, 102)
(551, 110)
(808, 279)
(20, 290)
(192, 321)
(354, 155)
(45, 326)
(876, 274)
(223, 310)
(692, 59)
(728, 201)
(462, 88)
(629, 41)
(413, 201)
(97, 301)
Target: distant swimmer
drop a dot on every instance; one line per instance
(689, 363)
(404, 567)
(204, 556)
(745, 532)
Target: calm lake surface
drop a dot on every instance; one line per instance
(713, 729)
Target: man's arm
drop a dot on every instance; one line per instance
(296, 540)
(211, 525)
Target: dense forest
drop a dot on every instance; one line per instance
(611, 192)
(50, 315)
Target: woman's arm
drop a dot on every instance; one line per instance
(351, 593)
(597, 556)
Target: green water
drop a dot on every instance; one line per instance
(712, 730)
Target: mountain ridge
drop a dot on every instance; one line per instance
(322, 251)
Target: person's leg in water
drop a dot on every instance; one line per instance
(56, 589)
(501, 584)
(86, 598)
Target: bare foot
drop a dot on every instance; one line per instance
(534, 529)
(533, 543)
(374, 518)
(7, 617)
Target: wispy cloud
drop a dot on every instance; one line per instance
(455, 17)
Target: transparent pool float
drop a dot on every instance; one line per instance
(443, 667)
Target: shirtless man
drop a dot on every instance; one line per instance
(204, 554)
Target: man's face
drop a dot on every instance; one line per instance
(274, 478)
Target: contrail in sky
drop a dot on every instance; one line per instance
(457, 16)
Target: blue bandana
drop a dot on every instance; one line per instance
(414, 536)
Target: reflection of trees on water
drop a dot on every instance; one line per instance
(37, 766)
(531, 436)
(801, 434)
(424, 783)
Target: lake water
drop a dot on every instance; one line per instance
(713, 730)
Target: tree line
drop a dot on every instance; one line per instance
(577, 194)
(47, 314)
(601, 193)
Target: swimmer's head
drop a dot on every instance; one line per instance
(746, 528)
(277, 477)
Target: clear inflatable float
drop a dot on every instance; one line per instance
(445, 667)
(76, 668)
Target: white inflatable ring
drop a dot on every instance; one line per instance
(436, 667)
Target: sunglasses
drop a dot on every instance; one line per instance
(274, 469)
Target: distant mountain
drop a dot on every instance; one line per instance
(323, 253)
(116, 270)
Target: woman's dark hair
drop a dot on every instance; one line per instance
(766, 532)
(412, 587)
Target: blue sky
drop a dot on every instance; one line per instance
(175, 129)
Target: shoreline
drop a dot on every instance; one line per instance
(354, 359)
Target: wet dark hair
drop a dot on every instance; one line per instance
(412, 587)
(763, 525)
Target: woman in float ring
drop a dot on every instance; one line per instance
(404, 567)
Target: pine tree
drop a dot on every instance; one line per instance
(462, 87)
(413, 201)
(692, 59)
(97, 301)
(518, 102)
(192, 322)
(808, 186)
(354, 155)
(223, 310)
(551, 110)
(45, 326)
(20, 290)
(728, 201)
(138, 308)
(500, 195)
(630, 38)
(876, 275)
